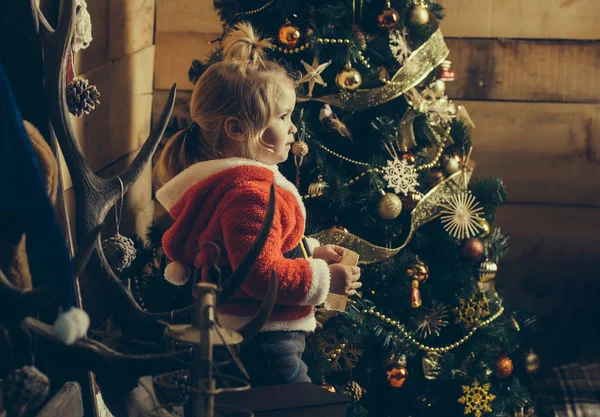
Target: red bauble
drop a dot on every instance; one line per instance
(472, 249)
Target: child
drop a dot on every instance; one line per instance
(218, 175)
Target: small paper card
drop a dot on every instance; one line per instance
(338, 302)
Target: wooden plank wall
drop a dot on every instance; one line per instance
(120, 62)
(525, 70)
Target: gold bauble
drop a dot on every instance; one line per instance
(439, 88)
(532, 362)
(348, 79)
(418, 271)
(487, 271)
(396, 375)
(388, 18)
(389, 206)
(419, 16)
(289, 35)
(300, 149)
(451, 164)
(328, 387)
(484, 226)
(504, 367)
(317, 188)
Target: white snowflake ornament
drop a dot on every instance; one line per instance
(399, 45)
(401, 176)
(83, 27)
(460, 215)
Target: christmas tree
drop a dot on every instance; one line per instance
(383, 161)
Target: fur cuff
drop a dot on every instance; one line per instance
(319, 285)
(312, 244)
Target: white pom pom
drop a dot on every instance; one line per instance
(71, 325)
(177, 273)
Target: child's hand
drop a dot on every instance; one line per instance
(329, 253)
(344, 279)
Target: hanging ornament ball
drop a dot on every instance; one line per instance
(435, 176)
(317, 188)
(472, 249)
(396, 375)
(484, 226)
(532, 362)
(410, 201)
(438, 87)
(389, 206)
(300, 149)
(353, 390)
(504, 367)
(119, 251)
(348, 79)
(419, 16)
(388, 18)
(289, 35)
(418, 271)
(451, 164)
(487, 271)
(25, 390)
(328, 387)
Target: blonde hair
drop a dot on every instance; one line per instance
(245, 85)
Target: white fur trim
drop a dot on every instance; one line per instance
(319, 284)
(177, 273)
(312, 244)
(305, 324)
(171, 192)
(71, 325)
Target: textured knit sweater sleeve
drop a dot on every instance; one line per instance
(300, 281)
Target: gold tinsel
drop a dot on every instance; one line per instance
(472, 311)
(477, 398)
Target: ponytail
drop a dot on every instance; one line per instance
(244, 47)
(183, 149)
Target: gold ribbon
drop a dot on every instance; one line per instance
(415, 69)
(426, 210)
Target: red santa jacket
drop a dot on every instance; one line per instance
(225, 201)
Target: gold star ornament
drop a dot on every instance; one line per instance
(313, 74)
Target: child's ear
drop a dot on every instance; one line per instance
(235, 129)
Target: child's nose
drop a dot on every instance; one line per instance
(293, 129)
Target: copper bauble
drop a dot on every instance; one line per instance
(289, 35)
(389, 206)
(419, 16)
(328, 387)
(472, 249)
(396, 375)
(504, 367)
(388, 18)
(348, 79)
(300, 149)
(487, 271)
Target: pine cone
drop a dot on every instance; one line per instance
(119, 251)
(25, 390)
(173, 387)
(81, 97)
(353, 390)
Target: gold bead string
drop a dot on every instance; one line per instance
(365, 61)
(260, 9)
(358, 177)
(399, 326)
(334, 41)
(342, 157)
(337, 352)
(293, 50)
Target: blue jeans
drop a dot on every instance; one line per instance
(274, 358)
